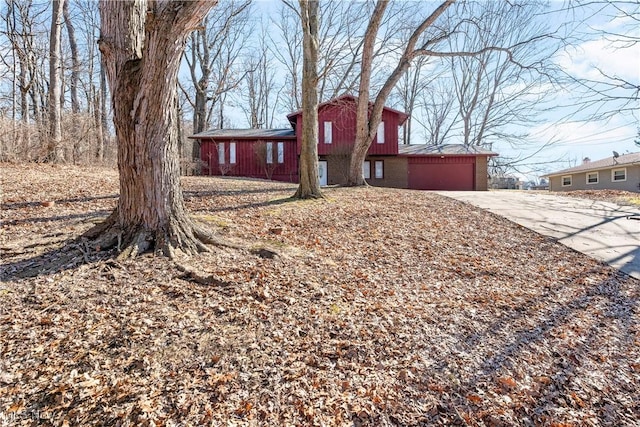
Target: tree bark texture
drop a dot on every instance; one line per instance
(367, 120)
(75, 59)
(142, 43)
(363, 141)
(309, 186)
(55, 70)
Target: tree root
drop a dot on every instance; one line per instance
(307, 195)
(141, 243)
(183, 236)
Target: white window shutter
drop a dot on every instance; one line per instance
(269, 152)
(232, 152)
(328, 132)
(221, 153)
(366, 169)
(280, 152)
(380, 133)
(379, 172)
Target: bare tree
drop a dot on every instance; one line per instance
(309, 186)
(608, 93)
(437, 115)
(260, 93)
(409, 90)
(498, 90)
(75, 59)
(367, 121)
(288, 53)
(340, 44)
(432, 38)
(25, 26)
(142, 43)
(55, 70)
(212, 57)
(91, 89)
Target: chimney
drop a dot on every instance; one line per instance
(586, 160)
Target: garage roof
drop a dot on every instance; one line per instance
(443, 150)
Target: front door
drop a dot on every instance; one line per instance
(322, 173)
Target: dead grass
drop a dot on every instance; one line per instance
(384, 307)
(620, 197)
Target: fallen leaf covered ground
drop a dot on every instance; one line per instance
(382, 308)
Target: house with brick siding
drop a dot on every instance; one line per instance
(274, 153)
(618, 172)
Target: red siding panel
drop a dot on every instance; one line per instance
(436, 173)
(342, 114)
(247, 164)
(390, 145)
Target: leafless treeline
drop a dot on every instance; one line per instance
(243, 68)
(53, 97)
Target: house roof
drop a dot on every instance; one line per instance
(246, 133)
(443, 150)
(608, 163)
(403, 116)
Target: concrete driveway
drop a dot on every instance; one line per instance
(599, 229)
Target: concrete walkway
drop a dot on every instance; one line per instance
(599, 229)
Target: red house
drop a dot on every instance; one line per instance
(253, 153)
(274, 153)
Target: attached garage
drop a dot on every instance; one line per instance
(435, 173)
(449, 167)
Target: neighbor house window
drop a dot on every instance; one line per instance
(269, 152)
(380, 133)
(566, 181)
(366, 169)
(592, 178)
(280, 152)
(328, 132)
(619, 175)
(221, 153)
(379, 172)
(232, 152)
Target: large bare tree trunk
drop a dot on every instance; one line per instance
(104, 114)
(309, 186)
(363, 139)
(75, 59)
(367, 120)
(55, 69)
(142, 44)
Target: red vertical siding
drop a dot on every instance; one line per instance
(247, 164)
(343, 116)
(343, 119)
(390, 145)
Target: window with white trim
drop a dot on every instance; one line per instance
(592, 177)
(618, 175)
(566, 181)
(269, 153)
(328, 132)
(221, 153)
(379, 169)
(280, 152)
(232, 153)
(380, 133)
(366, 169)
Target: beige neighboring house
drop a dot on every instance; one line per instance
(620, 172)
